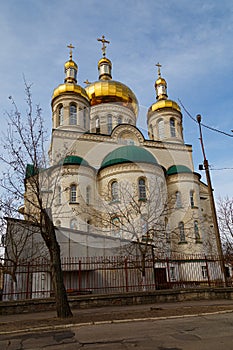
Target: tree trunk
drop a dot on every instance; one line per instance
(49, 236)
(62, 305)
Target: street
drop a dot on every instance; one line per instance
(206, 332)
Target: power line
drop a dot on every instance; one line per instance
(221, 169)
(205, 126)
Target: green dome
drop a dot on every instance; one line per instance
(73, 160)
(176, 169)
(128, 154)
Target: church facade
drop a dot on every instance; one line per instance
(107, 178)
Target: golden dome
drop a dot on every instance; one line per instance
(63, 88)
(70, 64)
(160, 81)
(164, 104)
(106, 91)
(104, 60)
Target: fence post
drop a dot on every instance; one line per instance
(126, 275)
(207, 270)
(79, 274)
(168, 272)
(27, 283)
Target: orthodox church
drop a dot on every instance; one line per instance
(108, 179)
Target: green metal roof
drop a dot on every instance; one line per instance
(30, 170)
(176, 169)
(69, 160)
(128, 154)
(74, 160)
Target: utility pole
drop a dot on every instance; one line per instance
(212, 204)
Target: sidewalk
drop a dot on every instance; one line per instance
(48, 320)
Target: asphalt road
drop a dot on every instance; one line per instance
(206, 332)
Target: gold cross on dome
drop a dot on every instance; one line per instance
(87, 82)
(159, 66)
(104, 46)
(71, 52)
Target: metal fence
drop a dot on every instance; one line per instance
(114, 274)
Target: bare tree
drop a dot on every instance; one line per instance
(225, 219)
(23, 144)
(140, 222)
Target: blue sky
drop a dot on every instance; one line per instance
(192, 40)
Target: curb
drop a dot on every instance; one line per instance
(70, 325)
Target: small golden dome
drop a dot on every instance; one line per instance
(160, 81)
(164, 104)
(64, 88)
(104, 60)
(107, 91)
(70, 64)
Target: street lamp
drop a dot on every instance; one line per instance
(212, 204)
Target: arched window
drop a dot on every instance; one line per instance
(142, 189)
(181, 232)
(151, 134)
(88, 226)
(109, 123)
(60, 115)
(114, 191)
(167, 230)
(119, 119)
(73, 224)
(73, 193)
(85, 118)
(58, 223)
(191, 199)
(196, 231)
(161, 129)
(97, 124)
(88, 194)
(115, 226)
(80, 115)
(144, 225)
(59, 195)
(73, 114)
(178, 200)
(71, 72)
(172, 127)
